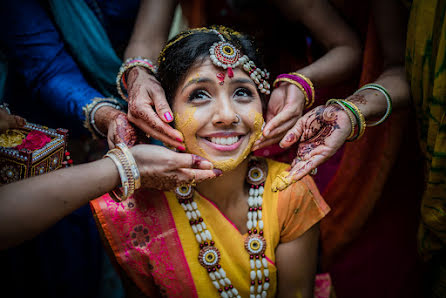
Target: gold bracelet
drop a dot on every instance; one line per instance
(128, 171)
(125, 174)
(117, 194)
(313, 95)
(352, 121)
(133, 165)
(362, 123)
(295, 84)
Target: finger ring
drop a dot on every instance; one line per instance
(313, 172)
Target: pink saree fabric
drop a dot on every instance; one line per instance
(149, 249)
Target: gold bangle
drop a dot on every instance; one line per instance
(362, 123)
(295, 84)
(352, 121)
(313, 95)
(121, 195)
(133, 165)
(128, 171)
(125, 174)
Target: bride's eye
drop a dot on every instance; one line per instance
(198, 95)
(242, 92)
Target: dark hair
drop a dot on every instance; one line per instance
(191, 46)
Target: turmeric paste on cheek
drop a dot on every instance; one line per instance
(188, 125)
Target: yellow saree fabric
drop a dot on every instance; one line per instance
(299, 208)
(426, 67)
(152, 241)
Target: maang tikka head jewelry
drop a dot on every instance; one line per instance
(226, 55)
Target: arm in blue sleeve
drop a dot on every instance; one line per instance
(35, 48)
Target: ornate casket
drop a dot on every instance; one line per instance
(46, 154)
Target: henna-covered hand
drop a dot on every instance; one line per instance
(320, 133)
(115, 125)
(120, 130)
(285, 107)
(144, 93)
(163, 169)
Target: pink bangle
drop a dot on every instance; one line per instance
(300, 81)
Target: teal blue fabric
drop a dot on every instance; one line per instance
(88, 43)
(3, 75)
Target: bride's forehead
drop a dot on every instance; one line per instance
(207, 68)
(204, 65)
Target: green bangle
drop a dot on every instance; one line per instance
(386, 95)
(357, 120)
(336, 101)
(359, 117)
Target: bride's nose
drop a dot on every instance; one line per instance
(225, 114)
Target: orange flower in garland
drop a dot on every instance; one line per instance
(34, 140)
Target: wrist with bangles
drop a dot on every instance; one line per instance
(358, 122)
(359, 129)
(126, 66)
(300, 81)
(128, 172)
(383, 91)
(90, 110)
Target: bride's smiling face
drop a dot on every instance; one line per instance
(219, 121)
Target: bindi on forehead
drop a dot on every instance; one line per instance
(221, 78)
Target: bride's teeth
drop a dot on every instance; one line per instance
(224, 141)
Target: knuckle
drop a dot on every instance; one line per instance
(133, 109)
(162, 104)
(171, 163)
(156, 88)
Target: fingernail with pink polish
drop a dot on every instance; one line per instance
(290, 138)
(179, 140)
(199, 162)
(217, 172)
(181, 148)
(168, 116)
